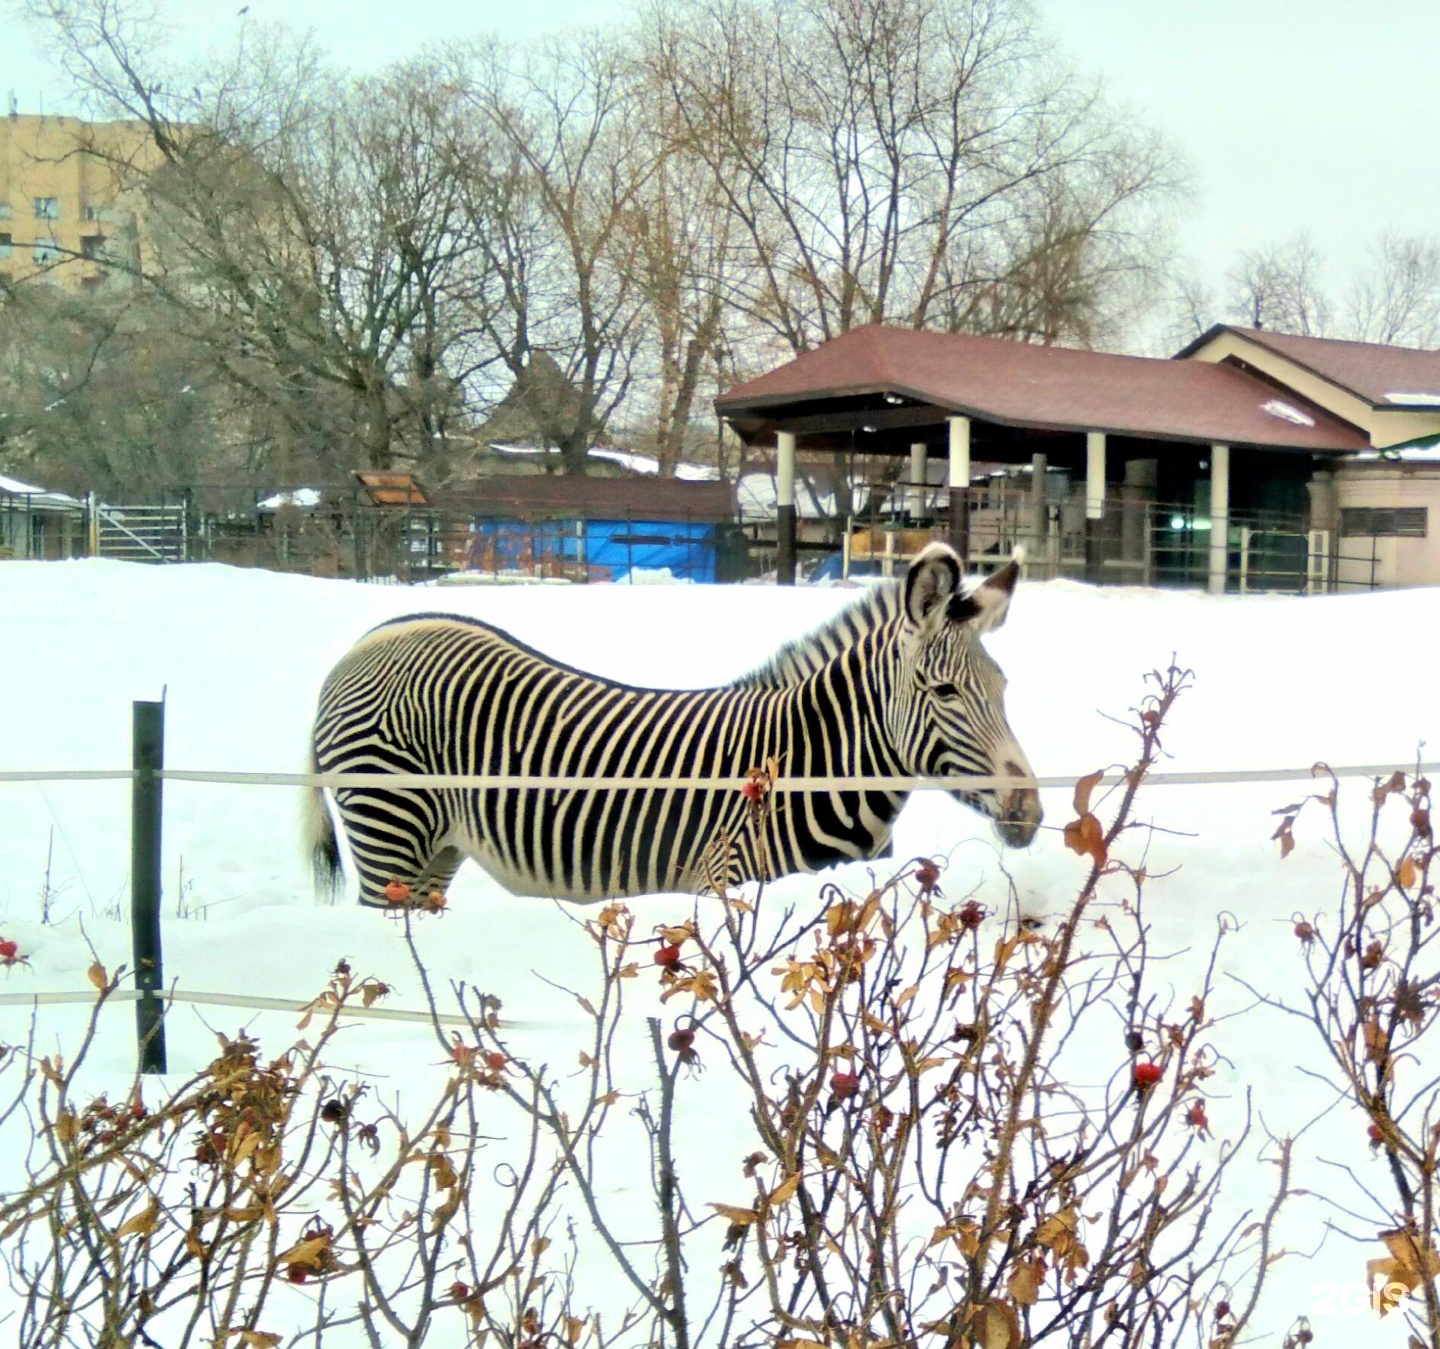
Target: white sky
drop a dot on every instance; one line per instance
(1317, 116)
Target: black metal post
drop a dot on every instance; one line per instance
(960, 524)
(785, 545)
(1094, 552)
(148, 759)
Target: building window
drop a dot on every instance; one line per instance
(93, 213)
(92, 246)
(6, 244)
(4, 210)
(47, 208)
(46, 250)
(1384, 522)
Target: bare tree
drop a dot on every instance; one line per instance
(1398, 301)
(308, 229)
(910, 161)
(559, 196)
(1280, 287)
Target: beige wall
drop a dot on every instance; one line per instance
(1384, 426)
(69, 161)
(1398, 562)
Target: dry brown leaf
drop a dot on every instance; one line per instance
(309, 1253)
(785, 1191)
(1412, 1262)
(96, 975)
(1083, 789)
(1026, 1281)
(996, 1326)
(1407, 873)
(740, 1217)
(142, 1224)
(1086, 837)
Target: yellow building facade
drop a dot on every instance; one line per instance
(64, 212)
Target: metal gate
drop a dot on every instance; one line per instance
(141, 533)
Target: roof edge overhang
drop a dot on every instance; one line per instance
(1246, 335)
(924, 410)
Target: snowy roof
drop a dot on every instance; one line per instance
(1422, 450)
(38, 495)
(636, 463)
(302, 498)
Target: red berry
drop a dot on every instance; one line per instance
(667, 957)
(927, 876)
(682, 1039)
(459, 1290)
(845, 1085)
(1151, 719)
(1147, 1074)
(1196, 1117)
(1377, 1134)
(752, 789)
(495, 1060)
(970, 915)
(1305, 932)
(297, 1273)
(8, 950)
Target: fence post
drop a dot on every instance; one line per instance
(148, 758)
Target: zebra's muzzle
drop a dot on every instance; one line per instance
(1020, 811)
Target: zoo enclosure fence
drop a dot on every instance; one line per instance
(147, 775)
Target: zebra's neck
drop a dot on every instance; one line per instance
(799, 659)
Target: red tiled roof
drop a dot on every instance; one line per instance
(1367, 369)
(1044, 388)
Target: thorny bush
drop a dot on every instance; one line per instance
(948, 1120)
(1371, 994)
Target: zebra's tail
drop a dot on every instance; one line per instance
(320, 839)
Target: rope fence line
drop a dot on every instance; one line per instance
(548, 782)
(296, 1007)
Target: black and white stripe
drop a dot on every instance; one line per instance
(895, 685)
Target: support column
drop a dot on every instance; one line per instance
(1094, 503)
(785, 508)
(1219, 517)
(919, 467)
(1038, 541)
(960, 488)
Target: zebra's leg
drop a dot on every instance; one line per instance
(394, 836)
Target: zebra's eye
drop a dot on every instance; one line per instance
(945, 690)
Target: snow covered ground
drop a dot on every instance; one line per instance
(239, 657)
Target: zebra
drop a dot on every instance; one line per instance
(896, 684)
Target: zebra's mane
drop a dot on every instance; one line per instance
(802, 657)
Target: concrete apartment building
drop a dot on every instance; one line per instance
(62, 207)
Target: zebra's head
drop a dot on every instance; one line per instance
(948, 713)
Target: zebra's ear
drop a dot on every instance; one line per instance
(986, 606)
(930, 584)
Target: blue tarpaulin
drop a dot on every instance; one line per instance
(608, 549)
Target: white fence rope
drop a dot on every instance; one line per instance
(781, 784)
(293, 1006)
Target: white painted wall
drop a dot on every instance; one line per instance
(1399, 562)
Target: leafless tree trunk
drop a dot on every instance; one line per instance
(560, 199)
